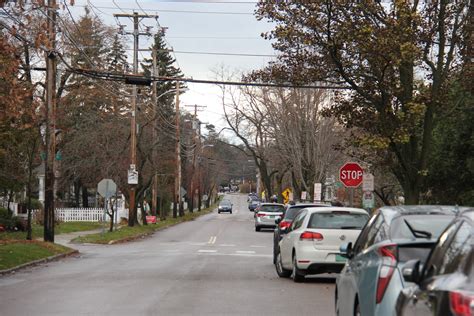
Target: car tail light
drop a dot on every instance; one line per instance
(284, 224)
(461, 303)
(311, 236)
(389, 261)
(260, 214)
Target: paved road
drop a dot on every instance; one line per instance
(215, 265)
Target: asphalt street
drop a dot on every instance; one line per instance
(215, 265)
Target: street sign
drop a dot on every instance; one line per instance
(132, 175)
(351, 174)
(286, 195)
(368, 199)
(368, 182)
(303, 195)
(318, 187)
(106, 188)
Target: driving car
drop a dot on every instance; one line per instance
(266, 214)
(311, 244)
(284, 222)
(253, 205)
(225, 206)
(371, 280)
(445, 284)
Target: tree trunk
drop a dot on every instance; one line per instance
(77, 193)
(85, 197)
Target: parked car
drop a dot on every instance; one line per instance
(285, 221)
(371, 280)
(311, 244)
(253, 204)
(445, 284)
(225, 206)
(266, 214)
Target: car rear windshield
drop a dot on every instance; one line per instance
(272, 208)
(293, 211)
(337, 220)
(422, 226)
(225, 203)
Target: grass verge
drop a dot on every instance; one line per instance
(126, 233)
(14, 253)
(62, 228)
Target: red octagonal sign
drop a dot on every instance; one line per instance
(351, 174)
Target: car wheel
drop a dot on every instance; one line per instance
(296, 274)
(257, 229)
(282, 272)
(230, 212)
(357, 308)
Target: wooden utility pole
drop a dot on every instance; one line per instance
(177, 181)
(133, 170)
(50, 128)
(196, 135)
(154, 188)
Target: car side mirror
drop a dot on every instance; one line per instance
(346, 250)
(411, 271)
(278, 221)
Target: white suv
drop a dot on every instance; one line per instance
(311, 245)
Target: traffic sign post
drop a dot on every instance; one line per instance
(368, 182)
(351, 175)
(106, 188)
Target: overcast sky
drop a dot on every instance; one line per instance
(222, 27)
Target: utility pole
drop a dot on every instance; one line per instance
(133, 172)
(50, 128)
(154, 188)
(196, 126)
(177, 200)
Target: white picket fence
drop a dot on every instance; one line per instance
(80, 214)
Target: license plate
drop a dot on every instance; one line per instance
(272, 216)
(340, 258)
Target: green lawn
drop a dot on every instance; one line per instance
(15, 253)
(62, 228)
(126, 233)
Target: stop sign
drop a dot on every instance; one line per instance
(351, 174)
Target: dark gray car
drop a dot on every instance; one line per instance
(372, 279)
(445, 284)
(225, 206)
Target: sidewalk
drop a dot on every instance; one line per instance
(65, 239)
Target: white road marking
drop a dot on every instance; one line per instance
(245, 252)
(226, 245)
(197, 243)
(248, 255)
(258, 246)
(212, 240)
(206, 251)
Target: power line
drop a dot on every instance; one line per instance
(145, 10)
(224, 54)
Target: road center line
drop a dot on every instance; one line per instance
(207, 251)
(245, 252)
(212, 240)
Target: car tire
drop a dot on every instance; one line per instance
(357, 308)
(257, 229)
(230, 212)
(218, 212)
(296, 274)
(282, 272)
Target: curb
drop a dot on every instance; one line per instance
(39, 261)
(144, 235)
